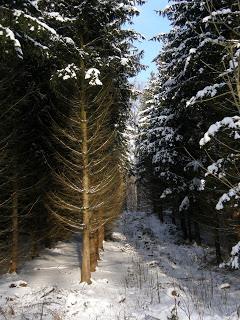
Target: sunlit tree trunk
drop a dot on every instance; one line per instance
(85, 270)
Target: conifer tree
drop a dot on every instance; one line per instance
(87, 139)
(50, 48)
(190, 92)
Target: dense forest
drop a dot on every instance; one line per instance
(188, 144)
(66, 99)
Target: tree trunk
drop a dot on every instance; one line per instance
(97, 245)
(34, 246)
(85, 270)
(183, 226)
(197, 233)
(217, 246)
(217, 240)
(189, 226)
(93, 253)
(101, 233)
(15, 230)
(173, 216)
(160, 213)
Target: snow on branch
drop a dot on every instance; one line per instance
(219, 13)
(165, 193)
(41, 25)
(34, 3)
(209, 91)
(8, 33)
(184, 205)
(234, 62)
(70, 72)
(226, 197)
(214, 168)
(234, 261)
(58, 17)
(232, 123)
(93, 75)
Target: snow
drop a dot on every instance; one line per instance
(9, 34)
(58, 17)
(42, 25)
(214, 168)
(225, 286)
(209, 91)
(69, 72)
(234, 261)
(124, 61)
(165, 193)
(232, 123)
(192, 50)
(217, 13)
(236, 249)
(226, 197)
(34, 3)
(184, 204)
(93, 74)
(144, 274)
(37, 44)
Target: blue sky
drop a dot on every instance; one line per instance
(149, 24)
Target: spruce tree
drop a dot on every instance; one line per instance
(189, 95)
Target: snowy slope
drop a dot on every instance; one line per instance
(144, 275)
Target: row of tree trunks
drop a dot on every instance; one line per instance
(190, 228)
(96, 242)
(187, 224)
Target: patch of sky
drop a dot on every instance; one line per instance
(149, 24)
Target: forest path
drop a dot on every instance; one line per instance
(145, 274)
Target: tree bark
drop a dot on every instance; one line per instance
(15, 229)
(183, 226)
(217, 246)
(160, 213)
(97, 245)
(85, 270)
(34, 246)
(217, 240)
(173, 216)
(189, 226)
(93, 253)
(101, 233)
(197, 233)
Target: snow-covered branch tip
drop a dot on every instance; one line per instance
(234, 261)
(93, 75)
(226, 197)
(70, 72)
(8, 34)
(232, 123)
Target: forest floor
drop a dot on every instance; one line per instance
(146, 273)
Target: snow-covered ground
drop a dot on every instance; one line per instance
(145, 274)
